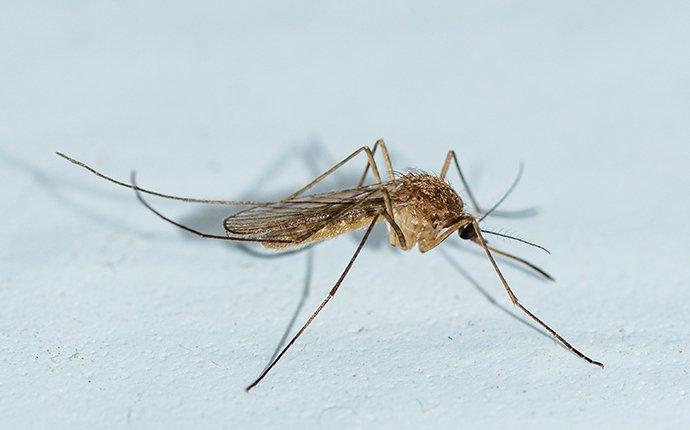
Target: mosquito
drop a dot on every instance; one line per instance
(419, 209)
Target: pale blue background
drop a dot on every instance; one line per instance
(111, 318)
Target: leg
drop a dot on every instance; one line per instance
(155, 193)
(329, 296)
(526, 311)
(427, 246)
(377, 176)
(386, 160)
(519, 260)
(394, 232)
(137, 192)
(371, 163)
(394, 228)
(370, 158)
(295, 314)
(444, 170)
(506, 214)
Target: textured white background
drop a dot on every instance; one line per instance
(110, 318)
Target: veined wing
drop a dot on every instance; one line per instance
(309, 218)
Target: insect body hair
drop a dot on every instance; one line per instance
(424, 204)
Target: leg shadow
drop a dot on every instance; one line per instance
(476, 251)
(488, 296)
(54, 185)
(303, 298)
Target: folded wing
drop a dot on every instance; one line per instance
(307, 219)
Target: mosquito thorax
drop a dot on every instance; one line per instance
(424, 204)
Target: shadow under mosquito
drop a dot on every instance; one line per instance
(477, 177)
(528, 212)
(54, 185)
(308, 275)
(488, 296)
(54, 181)
(315, 159)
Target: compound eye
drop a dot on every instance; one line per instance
(468, 232)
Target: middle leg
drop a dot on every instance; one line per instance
(444, 171)
(395, 236)
(386, 160)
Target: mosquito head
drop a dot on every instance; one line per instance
(467, 232)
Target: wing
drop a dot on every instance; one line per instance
(308, 219)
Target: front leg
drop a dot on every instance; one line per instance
(428, 245)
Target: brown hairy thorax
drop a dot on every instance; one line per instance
(424, 204)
